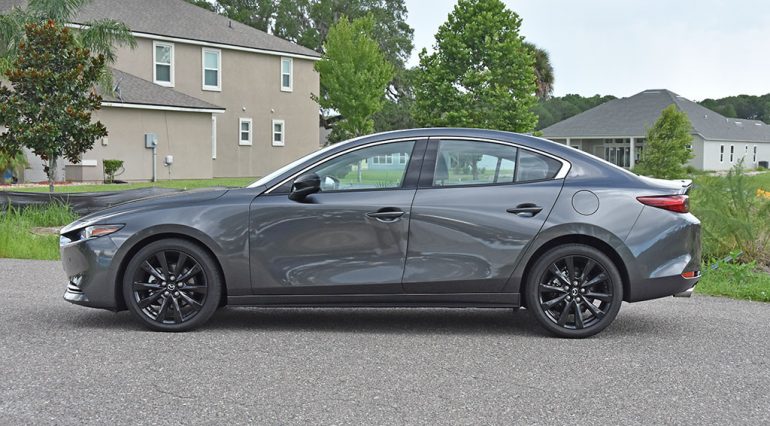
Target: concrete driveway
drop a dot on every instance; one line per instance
(676, 361)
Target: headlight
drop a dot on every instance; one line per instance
(98, 231)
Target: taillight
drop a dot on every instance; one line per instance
(674, 203)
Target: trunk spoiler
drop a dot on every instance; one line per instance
(679, 186)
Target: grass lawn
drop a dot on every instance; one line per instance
(20, 240)
(737, 282)
(177, 184)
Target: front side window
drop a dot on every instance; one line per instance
(364, 169)
(287, 74)
(163, 55)
(279, 133)
(244, 131)
(483, 163)
(212, 69)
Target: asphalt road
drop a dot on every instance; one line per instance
(676, 361)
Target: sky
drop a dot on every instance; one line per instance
(696, 48)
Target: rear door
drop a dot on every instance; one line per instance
(477, 207)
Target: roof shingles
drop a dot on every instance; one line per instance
(180, 19)
(133, 90)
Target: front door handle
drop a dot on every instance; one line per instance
(525, 210)
(387, 214)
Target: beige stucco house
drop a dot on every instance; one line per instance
(222, 98)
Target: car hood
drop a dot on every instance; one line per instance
(156, 202)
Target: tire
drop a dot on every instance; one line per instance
(595, 287)
(164, 297)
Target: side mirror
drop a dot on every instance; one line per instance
(304, 186)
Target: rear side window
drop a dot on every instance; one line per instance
(462, 163)
(534, 166)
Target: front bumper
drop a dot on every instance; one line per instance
(88, 265)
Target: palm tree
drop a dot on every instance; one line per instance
(543, 70)
(100, 36)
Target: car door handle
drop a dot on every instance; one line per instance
(387, 214)
(525, 210)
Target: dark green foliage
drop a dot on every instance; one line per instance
(481, 75)
(111, 167)
(544, 74)
(667, 149)
(354, 75)
(741, 106)
(554, 110)
(204, 4)
(48, 106)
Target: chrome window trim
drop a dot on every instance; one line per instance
(565, 165)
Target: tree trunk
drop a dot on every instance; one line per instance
(51, 172)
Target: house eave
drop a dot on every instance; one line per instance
(155, 107)
(217, 45)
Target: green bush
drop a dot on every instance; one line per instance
(111, 168)
(734, 217)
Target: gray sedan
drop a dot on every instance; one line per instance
(416, 218)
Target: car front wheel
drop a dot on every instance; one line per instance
(172, 285)
(574, 291)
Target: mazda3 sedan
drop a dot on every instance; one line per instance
(415, 218)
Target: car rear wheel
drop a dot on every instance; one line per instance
(574, 291)
(172, 285)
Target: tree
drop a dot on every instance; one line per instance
(354, 74)
(555, 109)
(544, 74)
(667, 148)
(48, 109)
(204, 4)
(254, 13)
(101, 37)
(480, 75)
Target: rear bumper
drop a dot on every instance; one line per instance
(656, 288)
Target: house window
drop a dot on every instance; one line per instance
(163, 58)
(212, 69)
(213, 137)
(245, 131)
(755, 154)
(287, 74)
(279, 133)
(732, 153)
(721, 153)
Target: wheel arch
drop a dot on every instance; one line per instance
(593, 241)
(136, 243)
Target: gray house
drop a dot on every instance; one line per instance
(616, 131)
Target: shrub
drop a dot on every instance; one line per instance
(734, 216)
(111, 168)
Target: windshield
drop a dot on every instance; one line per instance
(293, 164)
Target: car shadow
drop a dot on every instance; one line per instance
(378, 320)
(419, 321)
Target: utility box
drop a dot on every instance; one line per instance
(150, 140)
(763, 164)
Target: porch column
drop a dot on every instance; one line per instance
(568, 142)
(632, 160)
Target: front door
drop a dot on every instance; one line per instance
(478, 206)
(349, 238)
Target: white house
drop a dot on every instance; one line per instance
(616, 132)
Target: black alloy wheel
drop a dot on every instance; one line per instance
(172, 285)
(574, 291)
